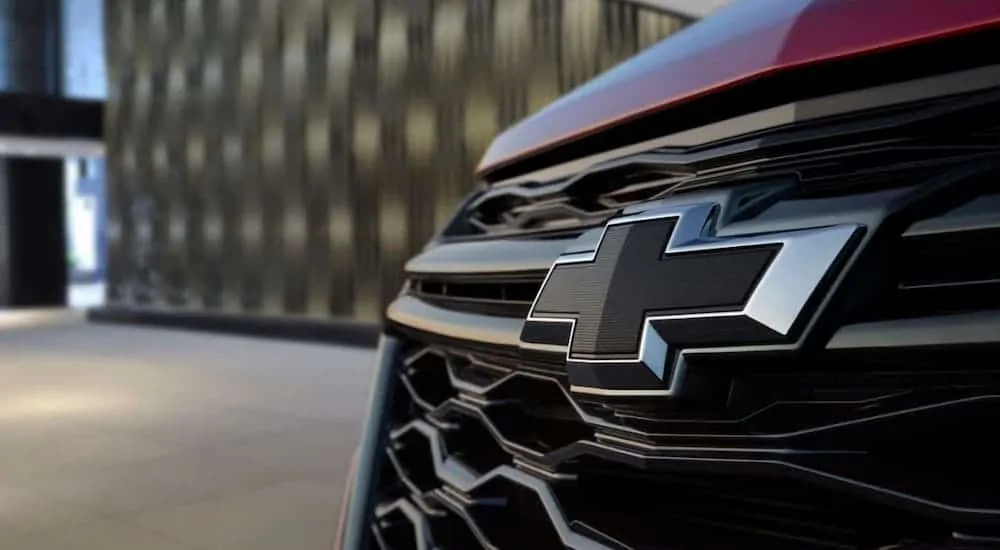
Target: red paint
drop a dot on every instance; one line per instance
(750, 39)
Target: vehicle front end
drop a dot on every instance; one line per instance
(753, 304)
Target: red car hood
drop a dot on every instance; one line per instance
(750, 39)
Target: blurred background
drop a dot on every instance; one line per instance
(286, 157)
(271, 157)
(250, 159)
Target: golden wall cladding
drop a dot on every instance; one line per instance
(287, 156)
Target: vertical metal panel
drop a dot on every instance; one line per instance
(287, 156)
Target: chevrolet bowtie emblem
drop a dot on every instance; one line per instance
(661, 280)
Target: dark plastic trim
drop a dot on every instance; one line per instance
(980, 328)
(355, 534)
(324, 331)
(981, 213)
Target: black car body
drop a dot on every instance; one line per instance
(758, 310)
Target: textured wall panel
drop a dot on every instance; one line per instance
(287, 156)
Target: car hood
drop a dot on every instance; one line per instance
(747, 40)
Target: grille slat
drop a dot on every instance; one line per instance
(945, 265)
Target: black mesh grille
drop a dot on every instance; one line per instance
(503, 296)
(492, 456)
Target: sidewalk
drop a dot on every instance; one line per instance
(119, 437)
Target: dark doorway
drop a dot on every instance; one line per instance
(32, 226)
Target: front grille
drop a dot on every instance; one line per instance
(867, 430)
(483, 455)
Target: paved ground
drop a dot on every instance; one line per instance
(124, 438)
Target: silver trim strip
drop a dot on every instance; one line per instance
(488, 257)
(475, 328)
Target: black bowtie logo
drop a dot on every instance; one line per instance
(659, 282)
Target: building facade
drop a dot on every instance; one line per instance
(285, 157)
